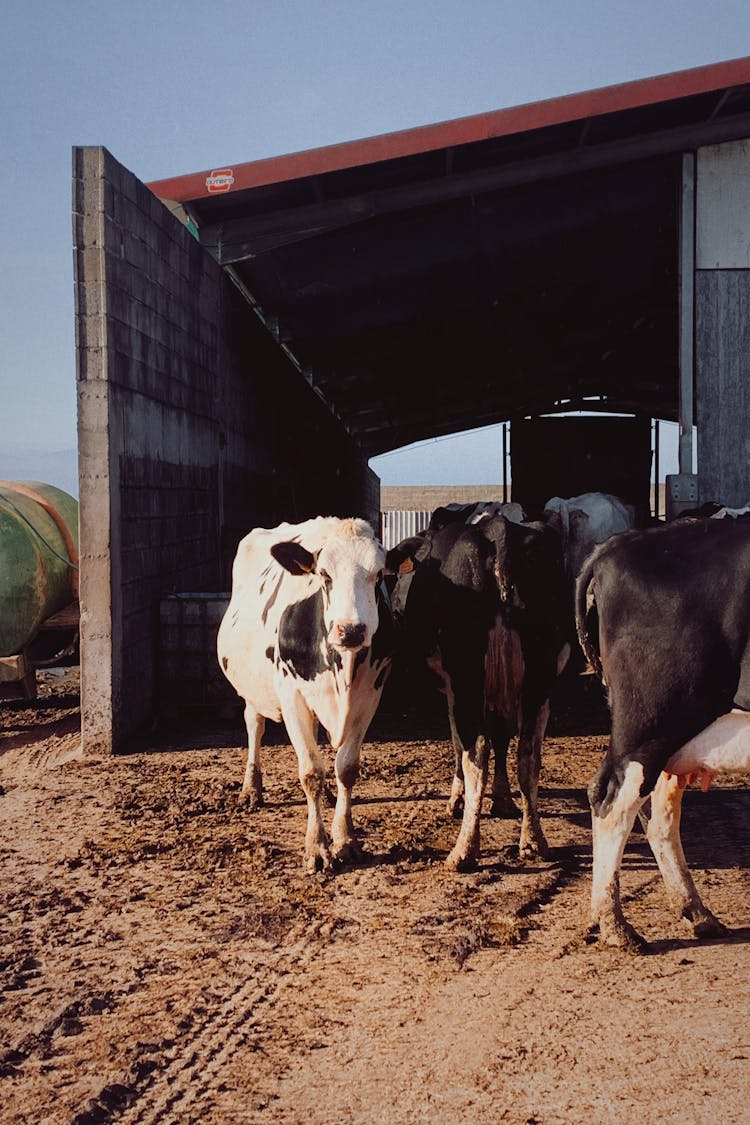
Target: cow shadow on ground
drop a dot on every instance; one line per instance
(738, 936)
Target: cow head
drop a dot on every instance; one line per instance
(348, 568)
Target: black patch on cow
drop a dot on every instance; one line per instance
(359, 659)
(269, 604)
(224, 663)
(335, 659)
(384, 640)
(270, 652)
(302, 635)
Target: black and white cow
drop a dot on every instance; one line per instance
(664, 617)
(473, 513)
(486, 609)
(307, 637)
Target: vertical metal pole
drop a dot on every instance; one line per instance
(687, 313)
(505, 462)
(657, 431)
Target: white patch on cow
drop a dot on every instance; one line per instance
(532, 840)
(663, 833)
(584, 521)
(724, 745)
(488, 509)
(352, 561)
(731, 513)
(610, 834)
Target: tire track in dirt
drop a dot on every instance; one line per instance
(195, 1062)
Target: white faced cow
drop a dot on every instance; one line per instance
(664, 617)
(307, 638)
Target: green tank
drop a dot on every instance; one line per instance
(38, 558)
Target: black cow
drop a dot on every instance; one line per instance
(486, 608)
(664, 617)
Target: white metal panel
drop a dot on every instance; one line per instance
(398, 525)
(723, 206)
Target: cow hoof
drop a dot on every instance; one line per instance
(533, 849)
(505, 810)
(619, 935)
(709, 927)
(250, 800)
(348, 852)
(456, 861)
(455, 808)
(319, 860)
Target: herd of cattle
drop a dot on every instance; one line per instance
(492, 602)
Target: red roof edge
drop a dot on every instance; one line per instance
(463, 130)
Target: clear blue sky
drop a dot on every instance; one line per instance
(171, 88)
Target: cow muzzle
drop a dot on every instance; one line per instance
(345, 634)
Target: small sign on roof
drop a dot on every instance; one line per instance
(220, 180)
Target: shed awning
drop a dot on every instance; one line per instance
(497, 266)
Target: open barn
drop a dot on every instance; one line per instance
(248, 337)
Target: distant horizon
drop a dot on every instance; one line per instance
(474, 460)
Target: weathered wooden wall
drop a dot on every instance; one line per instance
(722, 322)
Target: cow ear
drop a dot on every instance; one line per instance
(401, 558)
(440, 517)
(293, 557)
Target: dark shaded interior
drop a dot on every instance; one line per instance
(494, 280)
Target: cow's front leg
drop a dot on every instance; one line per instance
(474, 764)
(252, 785)
(346, 847)
(302, 727)
(532, 842)
(663, 833)
(615, 799)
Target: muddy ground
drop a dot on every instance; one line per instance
(164, 958)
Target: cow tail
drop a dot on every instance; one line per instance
(587, 617)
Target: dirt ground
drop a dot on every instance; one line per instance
(164, 958)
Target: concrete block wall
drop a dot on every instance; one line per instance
(193, 427)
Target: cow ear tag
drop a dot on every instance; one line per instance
(407, 566)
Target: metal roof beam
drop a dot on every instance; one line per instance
(238, 239)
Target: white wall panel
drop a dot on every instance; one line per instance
(723, 206)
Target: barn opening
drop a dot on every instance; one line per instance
(248, 337)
